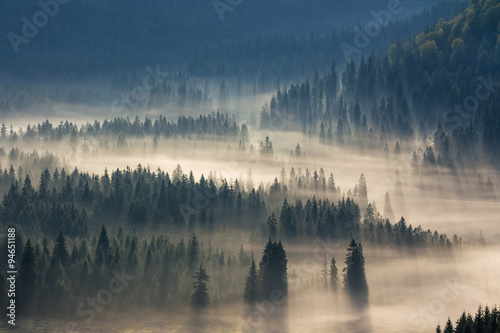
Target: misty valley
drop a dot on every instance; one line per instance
(210, 167)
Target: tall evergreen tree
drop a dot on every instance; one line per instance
(334, 279)
(103, 242)
(362, 193)
(324, 272)
(200, 298)
(60, 251)
(193, 253)
(388, 213)
(449, 327)
(355, 284)
(252, 287)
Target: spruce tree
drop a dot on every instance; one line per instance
(355, 283)
(193, 253)
(200, 298)
(60, 251)
(251, 293)
(449, 327)
(362, 192)
(388, 213)
(334, 279)
(324, 272)
(103, 242)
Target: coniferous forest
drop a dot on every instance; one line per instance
(234, 166)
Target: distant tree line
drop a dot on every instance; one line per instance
(215, 125)
(485, 320)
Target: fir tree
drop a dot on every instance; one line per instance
(355, 283)
(200, 298)
(251, 293)
(388, 213)
(334, 279)
(103, 242)
(60, 252)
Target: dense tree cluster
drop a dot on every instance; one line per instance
(270, 281)
(269, 60)
(77, 203)
(485, 320)
(56, 279)
(214, 125)
(112, 37)
(140, 198)
(322, 218)
(448, 74)
(176, 91)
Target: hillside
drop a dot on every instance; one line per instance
(83, 37)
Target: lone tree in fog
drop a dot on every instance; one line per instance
(252, 285)
(324, 272)
(362, 192)
(199, 298)
(355, 283)
(388, 213)
(334, 279)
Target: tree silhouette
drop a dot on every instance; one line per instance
(200, 298)
(273, 270)
(251, 293)
(334, 279)
(355, 283)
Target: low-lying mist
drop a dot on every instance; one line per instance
(410, 291)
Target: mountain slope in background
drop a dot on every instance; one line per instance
(102, 36)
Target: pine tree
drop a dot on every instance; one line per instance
(200, 298)
(362, 193)
(355, 283)
(388, 213)
(324, 272)
(60, 252)
(193, 253)
(449, 327)
(251, 293)
(103, 242)
(334, 279)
